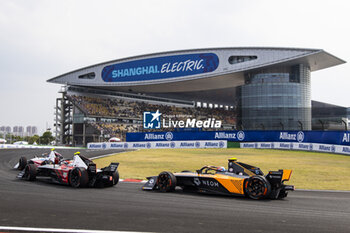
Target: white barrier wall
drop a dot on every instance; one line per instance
(298, 146)
(159, 145)
(11, 146)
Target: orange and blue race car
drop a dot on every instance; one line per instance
(239, 179)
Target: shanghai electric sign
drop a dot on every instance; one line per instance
(161, 67)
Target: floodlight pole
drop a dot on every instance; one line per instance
(301, 125)
(346, 125)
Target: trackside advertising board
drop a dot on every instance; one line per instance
(298, 146)
(323, 137)
(159, 145)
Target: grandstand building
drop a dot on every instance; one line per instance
(247, 88)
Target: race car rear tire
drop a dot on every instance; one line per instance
(257, 187)
(115, 177)
(30, 172)
(166, 182)
(78, 177)
(22, 163)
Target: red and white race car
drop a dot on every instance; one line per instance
(52, 157)
(78, 172)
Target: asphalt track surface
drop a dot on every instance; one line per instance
(126, 208)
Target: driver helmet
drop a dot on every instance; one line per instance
(52, 149)
(221, 169)
(77, 153)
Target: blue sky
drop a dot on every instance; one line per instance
(41, 39)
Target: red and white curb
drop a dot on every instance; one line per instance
(133, 181)
(34, 229)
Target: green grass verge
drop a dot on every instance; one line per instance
(233, 145)
(311, 170)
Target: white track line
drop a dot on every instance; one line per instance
(325, 191)
(59, 230)
(101, 156)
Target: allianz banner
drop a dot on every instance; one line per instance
(329, 148)
(327, 137)
(159, 145)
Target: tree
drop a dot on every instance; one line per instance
(33, 139)
(46, 138)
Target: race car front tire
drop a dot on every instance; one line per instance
(166, 182)
(22, 163)
(257, 187)
(30, 172)
(78, 177)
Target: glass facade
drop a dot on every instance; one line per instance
(277, 99)
(328, 116)
(91, 75)
(238, 59)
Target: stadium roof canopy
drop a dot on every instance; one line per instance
(200, 74)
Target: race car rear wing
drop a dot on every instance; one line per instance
(276, 180)
(279, 176)
(111, 168)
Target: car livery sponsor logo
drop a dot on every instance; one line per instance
(210, 183)
(197, 181)
(206, 182)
